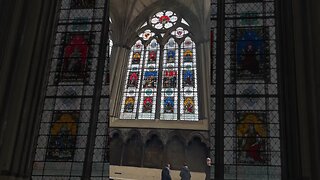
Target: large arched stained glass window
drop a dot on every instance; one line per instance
(161, 79)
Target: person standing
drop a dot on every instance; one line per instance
(208, 169)
(165, 174)
(185, 172)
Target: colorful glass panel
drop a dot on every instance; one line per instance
(251, 135)
(152, 57)
(133, 79)
(168, 104)
(164, 19)
(147, 104)
(129, 104)
(132, 83)
(188, 105)
(63, 133)
(149, 87)
(75, 63)
(136, 58)
(188, 78)
(188, 86)
(147, 34)
(170, 89)
(150, 79)
(250, 54)
(170, 79)
(179, 32)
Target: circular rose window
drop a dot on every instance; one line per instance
(164, 19)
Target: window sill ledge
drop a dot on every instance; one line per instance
(202, 124)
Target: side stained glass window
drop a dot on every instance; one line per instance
(161, 80)
(251, 99)
(61, 150)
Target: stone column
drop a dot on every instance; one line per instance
(313, 84)
(306, 59)
(27, 37)
(118, 72)
(203, 68)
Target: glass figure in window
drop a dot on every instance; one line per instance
(168, 105)
(129, 104)
(152, 57)
(136, 58)
(133, 79)
(171, 56)
(150, 79)
(82, 4)
(250, 58)
(187, 55)
(251, 133)
(147, 105)
(188, 78)
(63, 136)
(75, 58)
(170, 79)
(188, 105)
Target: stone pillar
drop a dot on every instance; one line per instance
(26, 40)
(203, 67)
(306, 45)
(118, 72)
(313, 81)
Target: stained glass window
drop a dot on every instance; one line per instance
(62, 145)
(251, 91)
(161, 81)
(247, 90)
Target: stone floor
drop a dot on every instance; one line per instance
(134, 173)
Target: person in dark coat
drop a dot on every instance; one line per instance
(185, 172)
(165, 174)
(208, 167)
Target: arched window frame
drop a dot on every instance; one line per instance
(181, 95)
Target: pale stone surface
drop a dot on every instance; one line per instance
(134, 173)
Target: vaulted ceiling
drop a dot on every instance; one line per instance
(128, 15)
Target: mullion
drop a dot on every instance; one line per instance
(94, 118)
(219, 136)
(142, 69)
